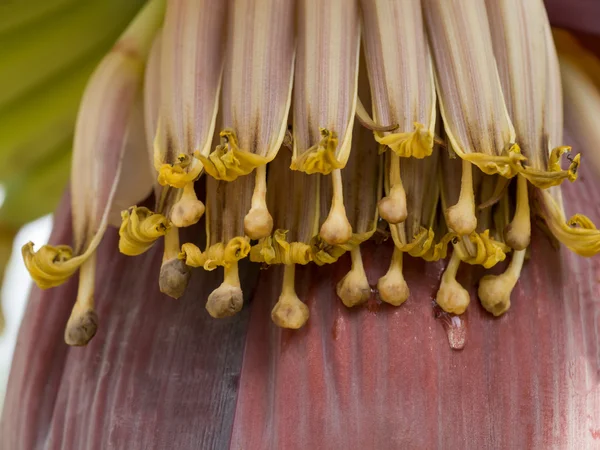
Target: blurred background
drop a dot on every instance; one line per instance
(49, 48)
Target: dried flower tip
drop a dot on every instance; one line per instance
(174, 274)
(289, 311)
(336, 229)
(354, 288)
(227, 299)
(83, 322)
(139, 230)
(402, 92)
(174, 278)
(451, 296)
(320, 158)
(392, 207)
(494, 290)
(227, 162)
(392, 287)
(554, 174)
(461, 217)
(258, 223)
(518, 233)
(188, 209)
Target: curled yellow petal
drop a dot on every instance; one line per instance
(228, 162)
(320, 158)
(277, 250)
(216, 255)
(578, 233)
(179, 174)
(486, 251)
(417, 143)
(140, 229)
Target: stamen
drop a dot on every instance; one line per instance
(461, 217)
(83, 322)
(188, 210)
(451, 296)
(494, 290)
(140, 228)
(174, 274)
(392, 208)
(289, 311)
(336, 229)
(518, 233)
(354, 288)
(366, 121)
(258, 223)
(228, 298)
(392, 287)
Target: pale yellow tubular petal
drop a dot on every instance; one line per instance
(469, 91)
(362, 190)
(325, 84)
(452, 297)
(226, 242)
(530, 78)
(417, 234)
(289, 311)
(294, 199)
(401, 75)
(494, 290)
(191, 68)
(336, 229)
(257, 85)
(103, 157)
(518, 233)
(258, 223)
(392, 208)
(477, 246)
(174, 274)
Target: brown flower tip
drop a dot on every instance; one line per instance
(227, 299)
(81, 328)
(174, 278)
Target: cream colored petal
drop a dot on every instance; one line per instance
(325, 84)
(191, 66)
(257, 82)
(530, 78)
(469, 90)
(400, 73)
